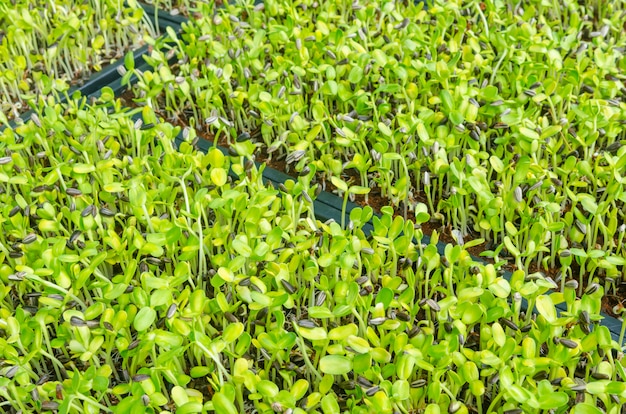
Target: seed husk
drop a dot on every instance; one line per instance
(5, 160)
(92, 324)
(75, 321)
(366, 290)
(584, 317)
(49, 406)
(600, 375)
(171, 311)
(536, 185)
(568, 343)
(509, 323)
(11, 371)
(288, 286)
(140, 377)
(295, 156)
(30, 238)
(75, 235)
(17, 276)
(307, 197)
(364, 382)
(244, 136)
(106, 212)
(230, 317)
(454, 407)
(320, 299)
(418, 383)
(592, 288)
(371, 391)
(14, 211)
(433, 305)
(377, 321)
(253, 114)
(306, 323)
(87, 211)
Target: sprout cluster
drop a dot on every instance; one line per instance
(138, 277)
(506, 119)
(46, 46)
(139, 274)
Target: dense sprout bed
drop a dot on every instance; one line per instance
(505, 118)
(48, 46)
(185, 8)
(135, 277)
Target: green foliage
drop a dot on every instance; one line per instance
(140, 277)
(48, 46)
(496, 116)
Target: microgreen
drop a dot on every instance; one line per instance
(412, 108)
(61, 45)
(138, 276)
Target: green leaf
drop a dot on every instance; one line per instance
(585, 408)
(357, 189)
(226, 274)
(240, 244)
(199, 371)
(384, 129)
(341, 332)
(552, 400)
(500, 288)
(335, 365)
(129, 61)
(529, 133)
(313, 334)
(81, 168)
(218, 176)
(330, 404)
(192, 407)
(320, 312)
(520, 394)
(546, 308)
(356, 74)
(498, 334)
(510, 247)
(359, 344)
(267, 388)
(339, 183)
(144, 319)
(401, 390)
(232, 332)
